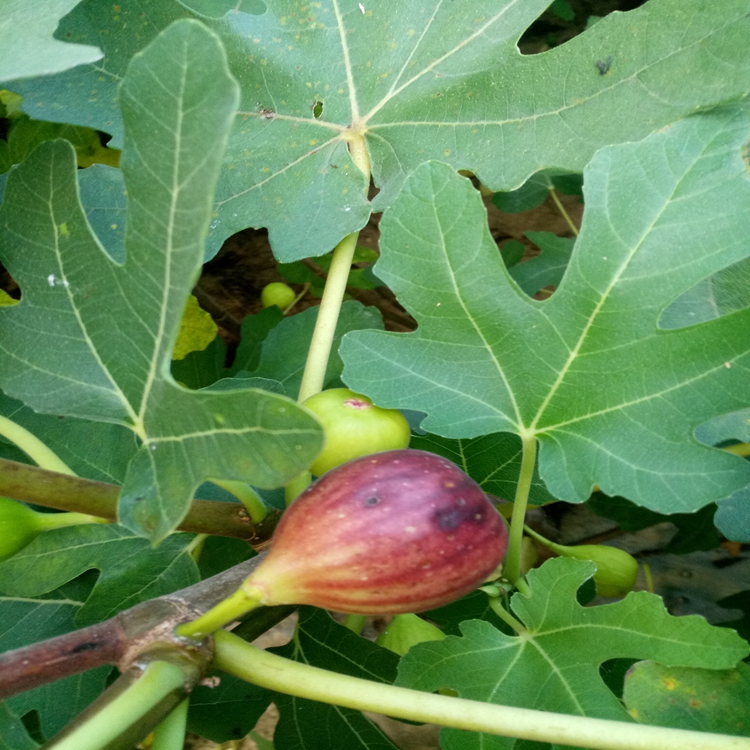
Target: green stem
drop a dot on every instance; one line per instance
(355, 623)
(541, 539)
(289, 307)
(562, 210)
(328, 315)
(159, 679)
(333, 293)
(170, 734)
(195, 548)
(233, 607)
(34, 448)
(254, 506)
(235, 656)
(512, 565)
(505, 616)
(60, 520)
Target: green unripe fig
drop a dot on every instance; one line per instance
(616, 570)
(354, 427)
(277, 293)
(20, 525)
(405, 631)
(399, 531)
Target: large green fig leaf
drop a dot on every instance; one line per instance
(93, 339)
(554, 664)
(416, 81)
(27, 47)
(612, 399)
(724, 292)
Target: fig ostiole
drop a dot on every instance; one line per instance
(389, 533)
(354, 427)
(616, 570)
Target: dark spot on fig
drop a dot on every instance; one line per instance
(452, 518)
(372, 501)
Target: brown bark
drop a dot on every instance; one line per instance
(34, 485)
(122, 639)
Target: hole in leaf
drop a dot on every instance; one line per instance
(317, 109)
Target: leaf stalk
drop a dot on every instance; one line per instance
(512, 565)
(33, 447)
(235, 656)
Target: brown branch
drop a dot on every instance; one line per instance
(52, 490)
(135, 631)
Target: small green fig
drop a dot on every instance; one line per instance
(277, 293)
(616, 570)
(405, 631)
(393, 532)
(354, 427)
(20, 525)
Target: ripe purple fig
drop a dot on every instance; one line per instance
(392, 532)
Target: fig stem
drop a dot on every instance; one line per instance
(240, 602)
(246, 495)
(170, 734)
(355, 623)
(239, 658)
(563, 212)
(305, 288)
(497, 607)
(321, 342)
(159, 679)
(542, 540)
(33, 447)
(298, 485)
(512, 564)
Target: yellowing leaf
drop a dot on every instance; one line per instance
(197, 330)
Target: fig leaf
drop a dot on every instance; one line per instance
(555, 665)
(611, 397)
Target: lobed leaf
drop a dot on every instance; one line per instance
(93, 339)
(612, 398)
(417, 81)
(554, 666)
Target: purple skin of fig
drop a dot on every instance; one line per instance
(392, 532)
